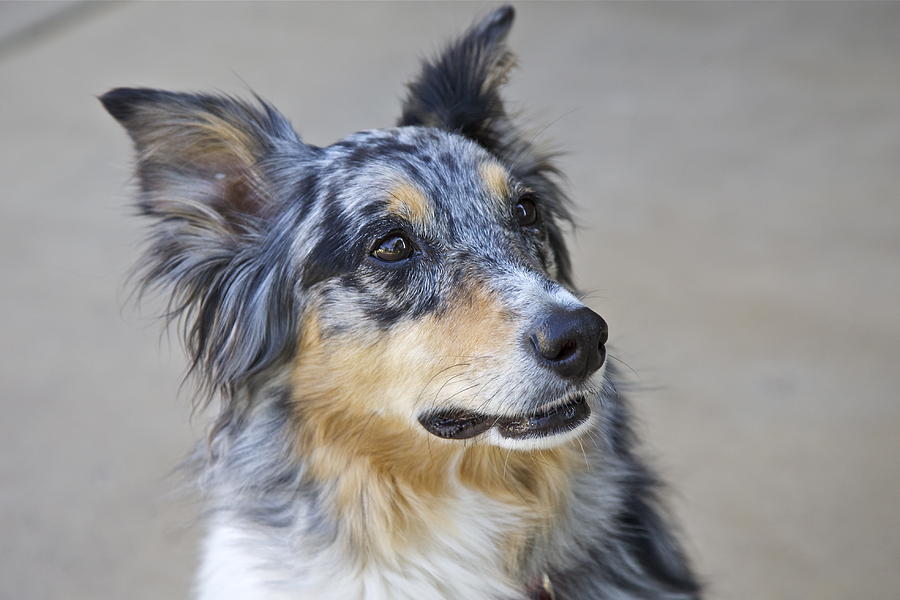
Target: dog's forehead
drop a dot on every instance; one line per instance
(422, 174)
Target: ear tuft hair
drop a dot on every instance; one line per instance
(495, 27)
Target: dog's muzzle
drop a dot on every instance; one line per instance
(568, 342)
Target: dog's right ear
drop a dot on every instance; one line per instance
(207, 168)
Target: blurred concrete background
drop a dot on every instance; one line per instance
(736, 169)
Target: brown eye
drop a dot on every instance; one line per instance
(526, 212)
(393, 248)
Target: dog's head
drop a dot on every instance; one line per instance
(412, 277)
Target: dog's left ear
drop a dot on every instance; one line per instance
(459, 91)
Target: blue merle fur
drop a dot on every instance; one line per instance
(241, 247)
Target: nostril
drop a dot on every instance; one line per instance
(553, 349)
(568, 348)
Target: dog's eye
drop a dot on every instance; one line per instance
(393, 248)
(526, 212)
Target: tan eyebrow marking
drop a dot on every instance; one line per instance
(408, 201)
(496, 180)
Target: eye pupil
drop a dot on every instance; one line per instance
(526, 212)
(393, 248)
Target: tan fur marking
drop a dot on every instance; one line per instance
(407, 201)
(222, 152)
(390, 481)
(374, 464)
(202, 138)
(496, 180)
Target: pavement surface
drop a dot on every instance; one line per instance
(736, 169)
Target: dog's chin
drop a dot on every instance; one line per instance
(557, 423)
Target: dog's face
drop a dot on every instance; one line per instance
(413, 276)
(432, 294)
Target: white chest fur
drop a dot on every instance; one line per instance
(462, 557)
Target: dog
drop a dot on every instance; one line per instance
(414, 401)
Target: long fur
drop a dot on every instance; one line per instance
(320, 481)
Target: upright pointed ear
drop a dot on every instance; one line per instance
(207, 168)
(459, 91)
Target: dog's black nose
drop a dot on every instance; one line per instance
(571, 342)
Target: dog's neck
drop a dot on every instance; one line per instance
(376, 502)
(393, 488)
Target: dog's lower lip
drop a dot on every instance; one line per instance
(455, 425)
(458, 425)
(564, 417)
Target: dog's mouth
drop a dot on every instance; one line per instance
(458, 424)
